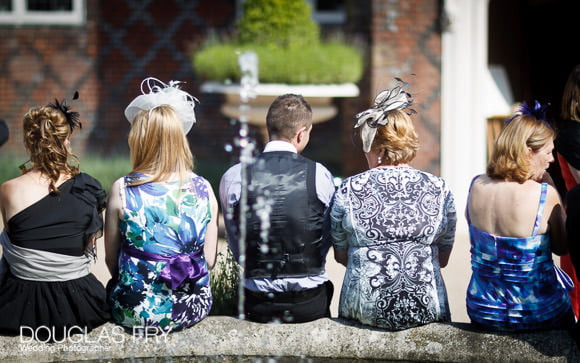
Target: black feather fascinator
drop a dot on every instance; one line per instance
(72, 117)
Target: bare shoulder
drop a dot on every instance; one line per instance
(114, 194)
(116, 184)
(483, 184)
(552, 197)
(12, 186)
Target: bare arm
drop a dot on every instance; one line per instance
(557, 223)
(112, 232)
(3, 193)
(211, 235)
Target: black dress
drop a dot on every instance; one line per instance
(48, 289)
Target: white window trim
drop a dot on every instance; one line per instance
(20, 16)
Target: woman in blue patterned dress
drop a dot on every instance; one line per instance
(161, 222)
(393, 226)
(516, 221)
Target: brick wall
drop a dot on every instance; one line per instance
(406, 43)
(41, 63)
(156, 38)
(124, 41)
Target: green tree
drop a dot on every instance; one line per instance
(282, 23)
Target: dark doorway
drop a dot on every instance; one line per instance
(536, 41)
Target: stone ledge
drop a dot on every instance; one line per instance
(229, 339)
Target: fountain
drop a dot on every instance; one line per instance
(248, 62)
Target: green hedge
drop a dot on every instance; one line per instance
(325, 63)
(108, 169)
(105, 169)
(287, 42)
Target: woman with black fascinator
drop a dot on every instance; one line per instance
(516, 221)
(52, 217)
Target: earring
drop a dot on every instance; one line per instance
(379, 160)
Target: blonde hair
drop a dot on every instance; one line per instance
(159, 146)
(510, 157)
(397, 138)
(46, 131)
(571, 96)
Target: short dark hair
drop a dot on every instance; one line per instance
(286, 115)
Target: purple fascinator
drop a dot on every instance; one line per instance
(395, 98)
(72, 118)
(537, 111)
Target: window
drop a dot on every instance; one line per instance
(41, 12)
(328, 11)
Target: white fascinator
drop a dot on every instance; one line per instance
(388, 100)
(156, 93)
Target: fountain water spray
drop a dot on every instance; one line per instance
(248, 62)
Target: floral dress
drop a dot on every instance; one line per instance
(163, 278)
(393, 221)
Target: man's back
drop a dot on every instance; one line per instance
(284, 223)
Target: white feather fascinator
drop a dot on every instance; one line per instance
(156, 93)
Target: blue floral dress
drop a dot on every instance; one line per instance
(515, 284)
(393, 222)
(163, 278)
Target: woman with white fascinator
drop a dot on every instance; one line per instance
(392, 226)
(161, 220)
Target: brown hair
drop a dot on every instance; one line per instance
(158, 145)
(571, 96)
(46, 131)
(397, 138)
(510, 157)
(286, 115)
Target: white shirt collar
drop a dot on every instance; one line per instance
(279, 145)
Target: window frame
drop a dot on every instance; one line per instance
(20, 15)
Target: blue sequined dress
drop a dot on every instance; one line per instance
(514, 284)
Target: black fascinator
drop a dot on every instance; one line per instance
(72, 117)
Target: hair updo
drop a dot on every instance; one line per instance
(46, 131)
(397, 138)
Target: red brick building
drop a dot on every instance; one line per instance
(120, 42)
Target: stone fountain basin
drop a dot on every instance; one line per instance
(318, 96)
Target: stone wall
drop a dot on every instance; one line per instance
(228, 339)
